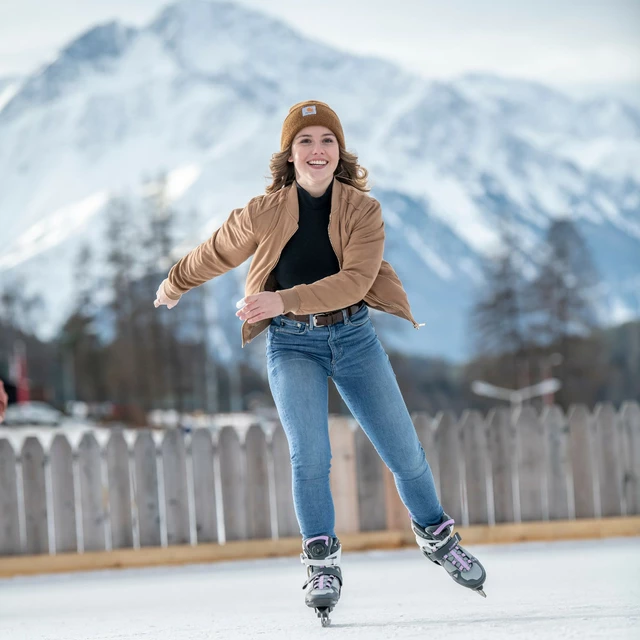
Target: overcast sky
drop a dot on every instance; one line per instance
(562, 42)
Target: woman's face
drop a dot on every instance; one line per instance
(315, 154)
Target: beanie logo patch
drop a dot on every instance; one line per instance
(309, 111)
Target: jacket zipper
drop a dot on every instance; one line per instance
(331, 242)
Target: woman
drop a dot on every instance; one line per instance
(317, 239)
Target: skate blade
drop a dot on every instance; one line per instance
(323, 614)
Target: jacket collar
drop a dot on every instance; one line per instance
(291, 199)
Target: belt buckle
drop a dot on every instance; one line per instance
(315, 316)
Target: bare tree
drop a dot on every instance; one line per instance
(563, 315)
(560, 295)
(123, 366)
(164, 326)
(498, 316)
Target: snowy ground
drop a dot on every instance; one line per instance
(558, 590)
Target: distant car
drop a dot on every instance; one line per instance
(36, 413)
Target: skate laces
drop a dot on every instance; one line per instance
(322, 581)
(459, 558)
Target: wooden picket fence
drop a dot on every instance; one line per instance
(171, 488)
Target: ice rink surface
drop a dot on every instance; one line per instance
(587, 589)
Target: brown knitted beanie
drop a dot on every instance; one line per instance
(310, 113)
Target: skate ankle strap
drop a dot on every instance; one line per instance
(326, 571)
(329, 561)
(326, 562)
(439, 553)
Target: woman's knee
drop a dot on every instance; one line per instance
(312, 468)
(410, 467)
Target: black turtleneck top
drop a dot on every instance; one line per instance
(308, 256)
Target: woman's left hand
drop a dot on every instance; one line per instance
(261, 306)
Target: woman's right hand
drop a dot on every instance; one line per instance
(163, 298)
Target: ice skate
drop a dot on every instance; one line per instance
(321, 556)
(441, 545)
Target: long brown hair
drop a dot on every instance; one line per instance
(348, 171)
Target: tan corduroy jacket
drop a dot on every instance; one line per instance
(263, 228)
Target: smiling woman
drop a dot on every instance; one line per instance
(315, 155)
(297, 143)
(317, 239)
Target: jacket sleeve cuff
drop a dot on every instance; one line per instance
(290, 299)
(169, 291)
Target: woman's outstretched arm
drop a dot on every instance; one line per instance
(228, 247)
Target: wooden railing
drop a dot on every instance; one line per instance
(159, 488)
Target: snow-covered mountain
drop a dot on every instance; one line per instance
(201, 92)
(9, 86)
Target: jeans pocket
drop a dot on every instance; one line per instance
(360, 317)
(290, 327)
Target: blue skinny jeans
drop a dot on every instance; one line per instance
(300, 360)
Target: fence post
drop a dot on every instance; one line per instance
(532, 467)
(91, 496)
(204, 485)
(476, 463)
(174, 467)
(287, 522)
(344, 477)
(119, 491)
(503, 460)
(35, 496)
(63, 495)
(426, 430)
(582, 466)
(610, 463)
(560, 484)
(9, 511)
(372, 510)
(631, 447)
(449, 447)
(146, 496)
(397, 513)
(258, 503)
(234, 487)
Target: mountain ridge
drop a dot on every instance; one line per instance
(450, 161)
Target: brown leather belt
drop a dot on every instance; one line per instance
(325, 319)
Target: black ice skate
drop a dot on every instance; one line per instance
(440, 545)
(321, 556)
